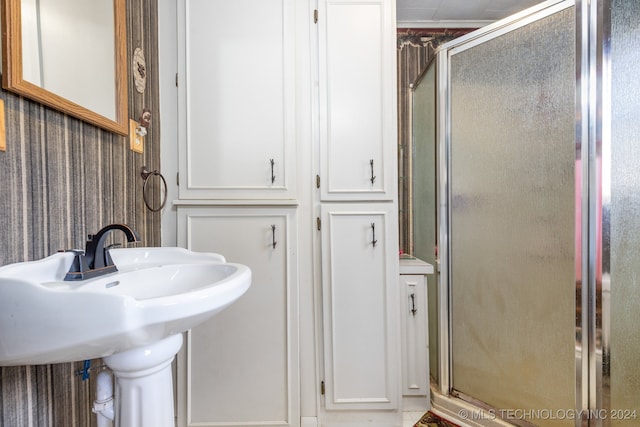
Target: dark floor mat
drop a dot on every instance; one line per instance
(432, 420)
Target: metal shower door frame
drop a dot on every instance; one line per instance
(591, 141)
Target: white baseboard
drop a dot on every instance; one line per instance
(308, 421)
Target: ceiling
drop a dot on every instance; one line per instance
(456, 13)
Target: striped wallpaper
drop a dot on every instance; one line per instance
(61, 179)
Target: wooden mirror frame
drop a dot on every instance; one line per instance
(12, 78)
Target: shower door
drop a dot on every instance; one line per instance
(621, 220)
(513, 179)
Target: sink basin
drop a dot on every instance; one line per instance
(157, 292)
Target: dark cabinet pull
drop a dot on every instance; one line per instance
(273, 236)
(413, 310)
(373, 231)
(373, 177)
(273, 176)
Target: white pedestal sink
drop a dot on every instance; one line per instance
(133, 319)
(144, 389)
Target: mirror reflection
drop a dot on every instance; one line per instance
(68, 48)
(69, 55)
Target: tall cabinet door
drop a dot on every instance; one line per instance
(240, 367)
(357, 83)
(236, 86)
(360, 297)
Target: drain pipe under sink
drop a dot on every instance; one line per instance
(103, 405)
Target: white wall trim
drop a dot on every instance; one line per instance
(168, 111)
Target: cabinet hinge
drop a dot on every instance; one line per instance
(176, 79)
(318, 223)
(322, 388)
(317, 181)
(315, 16)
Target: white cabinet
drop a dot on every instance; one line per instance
(415, 338)
(357, 60)
(361, 331)
(256, 124)
(237, 99)
(244, 113)
(241, 367)
(357, 163)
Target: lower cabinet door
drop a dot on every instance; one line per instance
(240, 368)
(360, 307)
(415, 354)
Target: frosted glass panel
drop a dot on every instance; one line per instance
(625, 215)
(424, 195)
(424, 166)
(512, 220)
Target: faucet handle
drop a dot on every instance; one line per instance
(78, 266)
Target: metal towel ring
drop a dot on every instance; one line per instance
(145, 174)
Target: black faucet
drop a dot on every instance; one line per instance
(95, 260)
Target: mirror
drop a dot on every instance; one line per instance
(69, 55)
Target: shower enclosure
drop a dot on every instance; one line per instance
(423, 188)
(538, 135)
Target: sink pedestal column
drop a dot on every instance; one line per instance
(144, 388)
